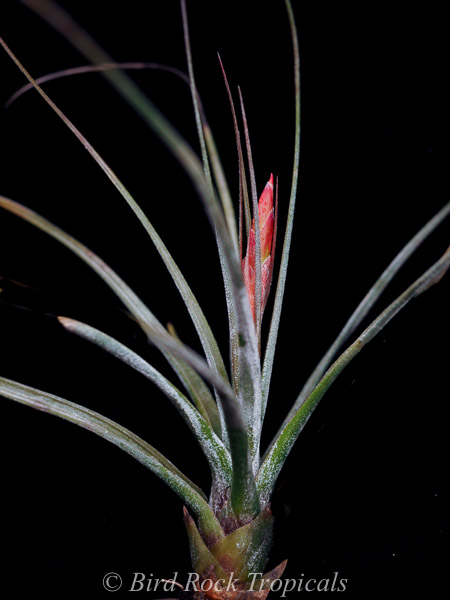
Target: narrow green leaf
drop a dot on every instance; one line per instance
(243, 198)
(220, 179)
(275, 459)
(244, 497)
(276, 315)
(258, 289)
(218, 457)
(84, 69)
(366, 304)
(243, 189)
(233, 327)
(226, 201)
(193, 88)
(225, 197)
(205, 334)
(199, 392)
(121, 437)
(231, 231)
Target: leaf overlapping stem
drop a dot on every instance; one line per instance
(249, 392)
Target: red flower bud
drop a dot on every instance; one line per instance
(266, 231)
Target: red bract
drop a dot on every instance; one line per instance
(266, 231)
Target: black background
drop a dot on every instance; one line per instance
(365, 492)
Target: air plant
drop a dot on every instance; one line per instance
(230, 529)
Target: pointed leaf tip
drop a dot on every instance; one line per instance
(274, 574)
(66, 322)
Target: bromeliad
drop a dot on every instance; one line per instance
(229, 529)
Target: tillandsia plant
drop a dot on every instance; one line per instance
(222, 401)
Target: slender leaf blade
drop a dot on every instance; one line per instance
(226, 201)
(258, 288)
(199, 392)
(276, 457)
(225, 198)
(276, 315)
(243, 189)
(84, 69)
(243, 197)
(121, 437)
(367, 303)
(218, 457)
(220, 179)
